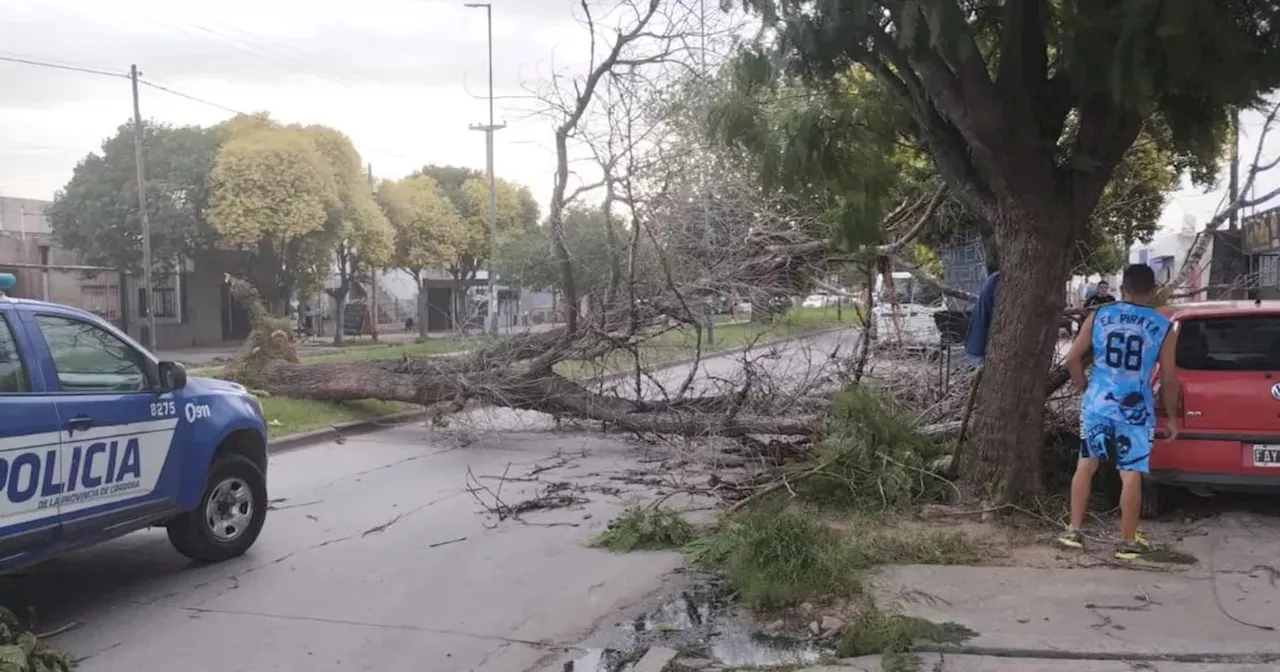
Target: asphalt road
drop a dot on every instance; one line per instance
(377, 556)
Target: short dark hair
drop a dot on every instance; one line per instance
(1138, 279)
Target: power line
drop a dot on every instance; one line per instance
(58, 66)
(108, 73)
(155, 85)
(238, 45)
(188, 96)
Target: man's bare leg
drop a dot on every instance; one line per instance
(1081, 484)
(1130, 504)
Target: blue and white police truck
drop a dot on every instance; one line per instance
(98, 438)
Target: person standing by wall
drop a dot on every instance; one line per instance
(975, 340)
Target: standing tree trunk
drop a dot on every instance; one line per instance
(456, 312)
(346, 271)
(340, 307)
(423, 308)
(1009, 415)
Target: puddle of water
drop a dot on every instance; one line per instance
(699, 623)
(602, 660)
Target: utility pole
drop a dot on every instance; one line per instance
(373, 276)
(493, 185)
(706, 205)
(148, 303)
(1233, 186)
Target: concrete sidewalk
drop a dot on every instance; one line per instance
(1223, 610)
(969, 663)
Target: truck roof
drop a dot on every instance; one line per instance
(36, 304)
(1207, 309)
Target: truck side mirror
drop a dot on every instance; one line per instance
(173, 376)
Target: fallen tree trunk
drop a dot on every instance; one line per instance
(455, 380)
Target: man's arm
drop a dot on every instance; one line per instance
(1080, 346)
(1169, 388)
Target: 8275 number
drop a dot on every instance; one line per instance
(1124, 351)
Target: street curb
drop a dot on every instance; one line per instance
(355, 427)
(657, 659)
(348, 428)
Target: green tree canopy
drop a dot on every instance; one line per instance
(296, 197)
(525, 258)
(850, 149)
(468, 191)
(427, 227)
(96, 213)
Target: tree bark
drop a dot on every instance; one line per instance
(453, 379)
(340, 308)
(1008, 422)
(455, 304)
(423, 307)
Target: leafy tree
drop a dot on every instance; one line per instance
(358, 232)
(835, 147)
(524, 259)
(96, 213)
(271, 190)
(468, 190)
(1026, 108)
(427, 229)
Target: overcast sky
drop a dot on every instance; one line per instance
(403, 78)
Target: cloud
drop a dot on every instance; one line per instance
(403, 78)
(394, 43)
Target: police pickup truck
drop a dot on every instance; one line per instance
(98, 439)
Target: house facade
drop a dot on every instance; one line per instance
(191, 299)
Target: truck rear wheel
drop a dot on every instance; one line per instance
(230, 514)
(1153, 496)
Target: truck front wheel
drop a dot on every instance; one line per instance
(229, 516)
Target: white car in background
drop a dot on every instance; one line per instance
(818, 301)
(917, 306)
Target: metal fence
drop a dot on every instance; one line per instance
(102, 291)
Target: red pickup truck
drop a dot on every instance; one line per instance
(1228, 359)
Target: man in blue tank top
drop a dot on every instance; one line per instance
(1125, 340)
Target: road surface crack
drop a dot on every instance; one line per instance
(533, 643)
(498, 650)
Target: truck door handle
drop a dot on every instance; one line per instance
(80, 423)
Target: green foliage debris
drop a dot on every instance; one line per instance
(873, 458)
(22, 651)
(894, 636)
(645, 529)
(778, 559)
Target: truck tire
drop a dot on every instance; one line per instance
(229, 516)
(1153, 495)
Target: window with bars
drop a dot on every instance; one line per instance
(166, 303)
(1269, 271)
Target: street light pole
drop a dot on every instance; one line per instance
(139, 157)
(489, 129)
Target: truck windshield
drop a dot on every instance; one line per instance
(1246, 343)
